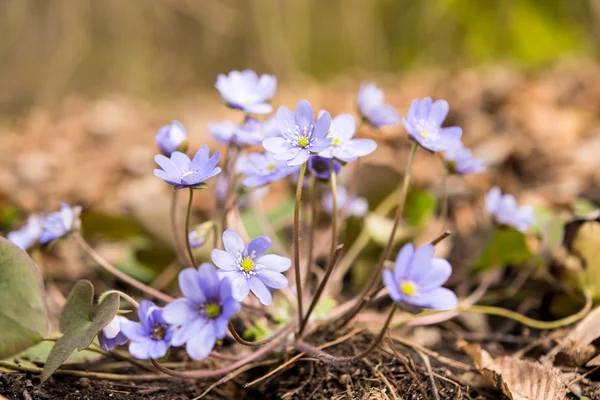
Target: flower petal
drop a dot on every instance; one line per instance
(343, 126)
(189, 284)
(260, 290)
(286, 122)
(304, 116)
(239, 286)
(438, 113)
(208, 280)
(435, 276)
(322, 126)
(438, 299)
(158, 349)
(272, 279)
(232, 242)
(275, 263)
(135, 332)
(187, 331)
(167, 165)
(139, 350)
(420, 262)
(401, 265)
(180, 311)
(223, 260)
(202, 343)
(259, 245)
(299, 158)
(391, 285)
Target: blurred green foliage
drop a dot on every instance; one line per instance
(155, 48)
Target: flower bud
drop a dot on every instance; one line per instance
(171, 138)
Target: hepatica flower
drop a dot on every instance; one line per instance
(246, 91)
(251, 133)
(151, 337)
(417, 279)
(300, 135)
(111, 336)
(343, 147)
(506, 211)
(261, 169)
(29, 234)
(424, 124)
(371, 107)
(248, 268)
(180, 171)
(172, 137)
(202, 315)
(60, 223)
(460, 160)
(320, 167)
(357, 206)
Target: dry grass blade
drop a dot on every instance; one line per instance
(517, 379)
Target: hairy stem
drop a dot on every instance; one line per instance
(238, 338)
(334, 212)
(315, 300)
(388, 247)
(124, 296)
(179, 246)
(297, 241)
(187, 229)
(313, 226)
(120, 275)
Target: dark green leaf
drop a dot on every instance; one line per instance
(507, 247)
(79, 327)
(100, 225)
(23, 316)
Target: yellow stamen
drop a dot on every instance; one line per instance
(336, 141)
(247, 265)
(408, 288)
(271, 167)
(303, 141)
(213, 310)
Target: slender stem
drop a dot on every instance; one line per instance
(203, 374)
(533, 323)
(313, 226)
(388, 247)
(444, 207)
(179, 246)
(441, 237)
(334, 212)
(315, 300)
(187, 229)
(120, 275)
(297, 241)
(238, 338)
(124, 296)
(224, 357)
(305, 347)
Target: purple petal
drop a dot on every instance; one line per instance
(438, 113)
(451, 134)
(201, 156)
(320, 144)
(259, 246)
(158, 349)
(223, 260)
(173, 180)
(189, 283)
(288, 155)
(412, 111)
(344, 125)
(208, 280)
(258, 108)
(145, 309)
(202, 343)
(359, 147)
(139, 350)
(230, 308)
(421, 260)
(304, 116)
(277, 145)
(424, 109)
(187, 331)
(322, 126)
(286, 122)
(260, 290)
(167, 165)
(275, 263)
(272, 279)
(225, 288)
(181, 160)
(239, 286)
(435, 276)
(135, 332)
(438, 299)
(300, 158)
(267, 85)
(232, 242)
(401, 266)
(180, 311)
(391, 285)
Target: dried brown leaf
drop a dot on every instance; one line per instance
(517, 379)
(576, 346)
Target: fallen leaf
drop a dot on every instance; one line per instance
(517, 379)
(576, 347)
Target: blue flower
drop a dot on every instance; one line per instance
(60, 223)
(29, 234)
(417, 279)
(151, 337)
(320, 167)
(424, 124)
(251, 133)
(357, 206)
(248, 268)
(202, 315)
(261, 169)
(460, 160)
(180, 171)
(301, 136)
(111, 336)
(371, 107)
(506, 211)
(246, 91)
(343, 147)
(172, 137)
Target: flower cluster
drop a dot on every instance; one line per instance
(251, 133)
(506, 211)
(151, 337)
(246, 91)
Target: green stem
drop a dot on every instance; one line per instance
(124, 296)
(334, 212)
(187, 229)
(534, 323)
(388, 247)
(313, 225)
(297, 241)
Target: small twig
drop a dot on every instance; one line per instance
(410, 371)
(430, 373)
(238, 338)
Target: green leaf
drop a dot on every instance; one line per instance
(79, 324)
(420, 207)
(23, 315)
(106, 226)
(507, 247)
(39, 354)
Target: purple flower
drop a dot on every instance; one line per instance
(460, 160)
(261, 169)
(246, 91)
(417, 279)
(371, 107)
(172, 137)
(111, 335)
(424, 124)
(248, 268)
(251, 133)
(505, 210)
(29, 234)
(320, 167)
(151, 337)
(202, 315)
(60, 223)
(357, 206)
(301, 136)
(180, 171)
(343, 147)
(195, 239)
